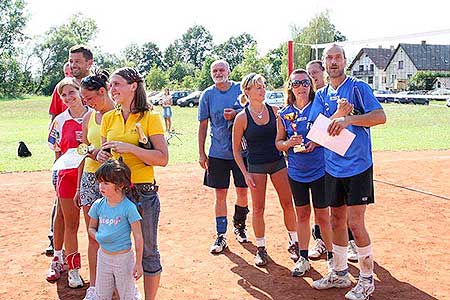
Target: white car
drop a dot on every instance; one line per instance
(448, 102)
(275, 98)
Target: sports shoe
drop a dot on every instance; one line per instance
(318, 249)
(330, 264)
(90, 294)
(261, 257)
(241, 235)
(49, 250)
(55, 270)
(74, 279)
(301, 267)
(363, 289)
(332, 280)
(352, 253)
(219, 245)
(294, 251)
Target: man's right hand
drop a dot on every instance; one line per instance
(203, 161)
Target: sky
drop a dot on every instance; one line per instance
(123, 22)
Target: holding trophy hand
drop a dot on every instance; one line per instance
(345, 108)
(299, 145)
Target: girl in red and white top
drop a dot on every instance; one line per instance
(65, 133)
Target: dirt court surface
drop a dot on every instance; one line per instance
(410, 232)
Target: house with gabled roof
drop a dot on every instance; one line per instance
(441, 83)
(369, 65)
(408, 59)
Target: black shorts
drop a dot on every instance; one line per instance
(300, 192)
(354, 190)
(218, 174)
(267, 168)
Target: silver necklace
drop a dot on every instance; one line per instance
(259, 115)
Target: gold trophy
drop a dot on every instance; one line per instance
(298, 148)
(143, 139)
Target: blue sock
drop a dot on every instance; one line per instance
(221, 225)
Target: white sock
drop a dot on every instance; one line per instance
(58, 253)
(261, 242)
(365, 260)
(340, 258)
(293, 237)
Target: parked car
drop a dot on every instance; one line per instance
(275, 98)
(412, 97)
(448, 102)
(155, 99)
(441, 94)
(190, 100)
(384, 96)
(178, 95)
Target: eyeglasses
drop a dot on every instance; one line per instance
(304, 82)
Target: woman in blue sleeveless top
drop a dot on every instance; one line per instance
(257, 124)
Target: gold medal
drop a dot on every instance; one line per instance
(84, 149)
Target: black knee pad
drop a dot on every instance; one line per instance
(240, 215)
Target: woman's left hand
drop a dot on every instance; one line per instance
(137, 271)
(117, 146)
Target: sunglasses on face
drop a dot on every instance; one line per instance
(304, 82)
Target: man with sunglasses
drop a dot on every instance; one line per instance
(316, 71)
(348, 178)
(216, 107)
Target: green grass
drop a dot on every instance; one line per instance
(409, 127)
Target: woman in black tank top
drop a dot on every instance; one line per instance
(257, 124)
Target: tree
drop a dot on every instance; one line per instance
(203, 77)
(156, 79)
(177, 72)
(318, 31)
(52, 50)
(423, 80)
(150, 56)
(12, 23)
(109, 62)
(233, 49)
(173, 54)
(274, 71)
(251, 63)
(196, 44)
(132, 54)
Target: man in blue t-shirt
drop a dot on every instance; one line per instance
(350, 104)
(216, 107)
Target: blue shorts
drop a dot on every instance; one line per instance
(151, 260)
(167, 112)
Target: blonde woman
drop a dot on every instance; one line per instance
(257, 124)
(65, 133)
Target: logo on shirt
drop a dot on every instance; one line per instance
(110, 221)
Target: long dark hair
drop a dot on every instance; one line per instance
(139, 103)
(290, 99)
(118, 173)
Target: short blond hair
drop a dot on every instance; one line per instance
(249, 81)
(67, 81)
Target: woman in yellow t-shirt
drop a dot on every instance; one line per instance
(136, 135)
(94, 91)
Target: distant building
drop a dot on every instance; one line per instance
(441, 83)
(369, 66)
(408, 59)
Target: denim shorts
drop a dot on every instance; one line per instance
(151, 260)
(89, 191)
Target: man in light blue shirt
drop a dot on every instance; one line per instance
(216, 107)
(350, 104)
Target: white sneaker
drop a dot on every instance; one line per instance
(332, 280)
(90, 294)
(219, 245)
(241, 235)
(74, 278)
(318, 249)
(363, 289)
(330, 264)
(294, 251)
(352, 253)
(301, 267)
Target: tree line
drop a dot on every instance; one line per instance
(33, 65)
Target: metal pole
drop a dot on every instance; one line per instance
(290, 57)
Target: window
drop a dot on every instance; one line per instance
(409, 76)
(393, 77)
(361, 68)
(400, 64)
(370, 80)
(371, 67)
(384, 79)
